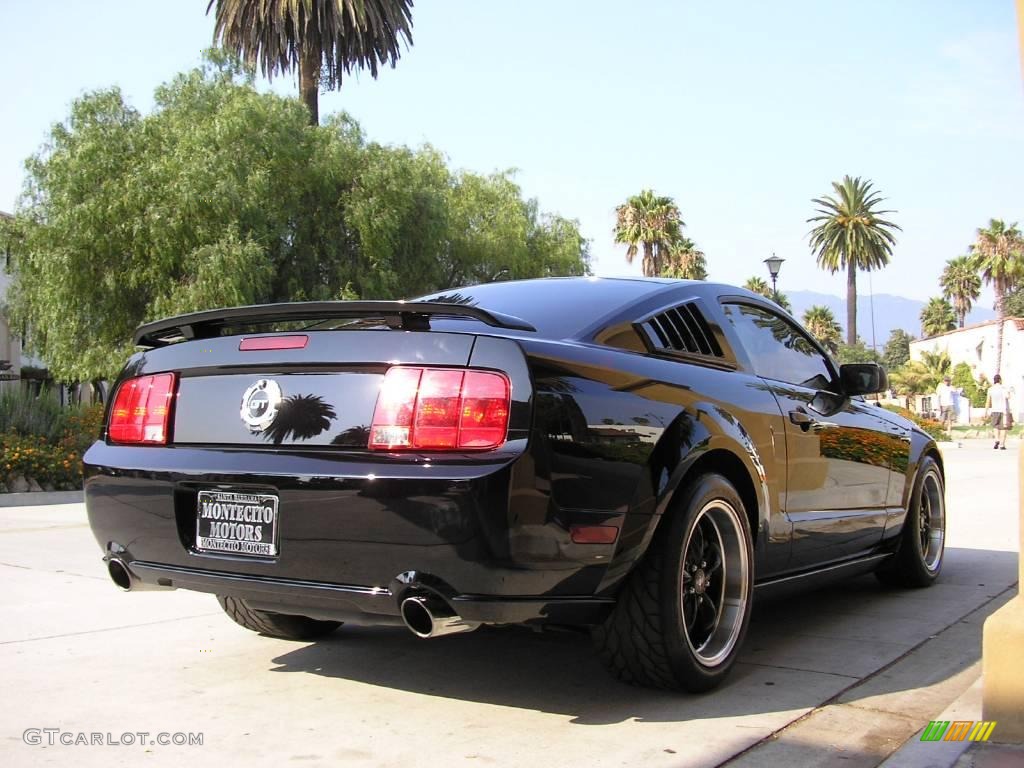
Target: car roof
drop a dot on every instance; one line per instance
(562, 307)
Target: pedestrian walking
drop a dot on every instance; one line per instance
(997, 406)
(944, 398)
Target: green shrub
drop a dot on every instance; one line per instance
(34, 458)
(964, 379)
(43, 441)
(23, 413)
(83, 427)
(981, 396)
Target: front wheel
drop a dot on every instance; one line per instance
(918, 561)
(681, 617)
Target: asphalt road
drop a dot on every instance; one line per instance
(837, 676)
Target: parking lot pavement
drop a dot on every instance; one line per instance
(841, 675)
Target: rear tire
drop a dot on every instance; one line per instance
(918, 561)
(681, 617)
(282, 625)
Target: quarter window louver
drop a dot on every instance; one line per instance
(681, 329)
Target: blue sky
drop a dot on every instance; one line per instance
(742, 111)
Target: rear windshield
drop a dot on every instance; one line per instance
(557, 307)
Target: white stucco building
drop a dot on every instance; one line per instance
(976, 346)
(10, 343)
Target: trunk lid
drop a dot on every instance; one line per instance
(322, 394)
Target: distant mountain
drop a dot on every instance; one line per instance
(890, 312)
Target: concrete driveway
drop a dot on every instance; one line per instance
(838, 676)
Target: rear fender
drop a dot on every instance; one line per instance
(691, 443)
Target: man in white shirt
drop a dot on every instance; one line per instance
(997, 405)
(944, 398)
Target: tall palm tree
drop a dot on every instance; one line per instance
(649, 222)
(850, 234)
(937, 317)
(685, 261)
(998, 253)
(823, 326)
(323, 39)
(961, 284)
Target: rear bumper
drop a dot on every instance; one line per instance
(366, 605)
(356, 532)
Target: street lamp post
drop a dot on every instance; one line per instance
(774, 265)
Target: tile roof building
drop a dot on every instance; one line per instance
(976, 346)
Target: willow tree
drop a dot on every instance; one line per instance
(324, 40)
(224, 196)
(850, 234)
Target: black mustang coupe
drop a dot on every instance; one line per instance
(636, 456)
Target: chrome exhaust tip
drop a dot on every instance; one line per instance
(119, 574)
(430, 616)
(127, 581)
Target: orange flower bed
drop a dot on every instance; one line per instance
(49, 464)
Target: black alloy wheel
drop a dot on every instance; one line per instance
(681, 615)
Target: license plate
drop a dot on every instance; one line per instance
(237, 523)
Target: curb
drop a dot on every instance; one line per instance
(41, 498)
(915, 753)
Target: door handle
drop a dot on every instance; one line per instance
(802, 419)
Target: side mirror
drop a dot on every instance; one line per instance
(862, 378)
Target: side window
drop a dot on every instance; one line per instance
(777, 348)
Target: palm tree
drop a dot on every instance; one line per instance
(961, 284)
(323, 39)
(823, 326)
(939, 363)
(782, 300)
(759, 285)
(685, 261)
(937, 317)
(850, 234)
(998, 253)
(918, 377)
(912, 379)
(650, 222)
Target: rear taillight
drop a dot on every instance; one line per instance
(142, 410)
(440, 409)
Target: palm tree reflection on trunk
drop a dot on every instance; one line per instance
(300, 417)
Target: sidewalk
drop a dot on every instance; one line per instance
(40, 498)
(952, 754)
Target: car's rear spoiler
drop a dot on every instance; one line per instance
(406, 315)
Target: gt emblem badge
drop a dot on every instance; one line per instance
(259, 405)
